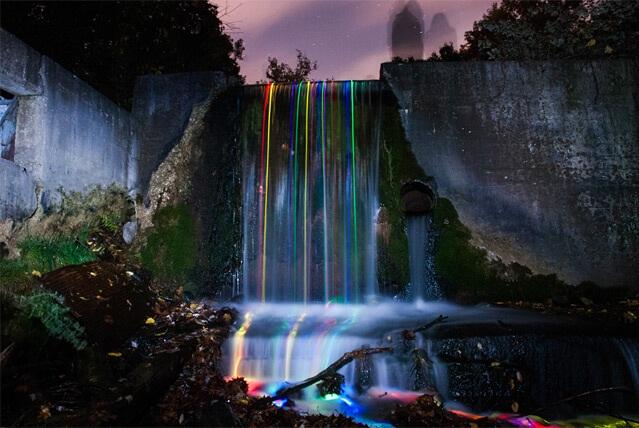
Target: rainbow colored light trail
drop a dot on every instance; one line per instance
(268, 157)
(308, 185)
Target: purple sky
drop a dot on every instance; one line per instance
(348, 39)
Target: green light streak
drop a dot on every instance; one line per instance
(354, 173)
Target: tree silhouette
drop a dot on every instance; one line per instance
(110, 43)
(280, 72)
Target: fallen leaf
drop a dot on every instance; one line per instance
(149, 321)
(36, 273)
(115, 354)
(591, 43)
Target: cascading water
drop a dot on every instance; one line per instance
(421, 243)
(310, 191)
(310, 182)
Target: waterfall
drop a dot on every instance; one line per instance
(421, 243)
(310, 182)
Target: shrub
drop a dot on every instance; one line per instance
(49, 308)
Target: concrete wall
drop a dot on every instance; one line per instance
(67, 134)
(18, 196)
(541, 159)
(162, 105)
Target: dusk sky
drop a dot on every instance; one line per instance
(348, 39)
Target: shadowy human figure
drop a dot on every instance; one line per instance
(407, 32)
(439, 33)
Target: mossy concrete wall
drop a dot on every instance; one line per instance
(541, 159)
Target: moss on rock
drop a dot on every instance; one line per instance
(171, 246)
(461, 267)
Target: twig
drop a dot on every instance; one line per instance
(328, 371)
(4, 355)
(438, 320)
(585, 394)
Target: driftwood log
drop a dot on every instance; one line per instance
(329, 371)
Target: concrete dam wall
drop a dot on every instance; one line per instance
(541, 159)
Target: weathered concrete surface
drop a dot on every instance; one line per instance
(541, 159)
(68, 135)
(162, 105)
(19, 66)
(18, 191)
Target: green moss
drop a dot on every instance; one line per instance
(397, 166)
(171, 247)
(47, 254)
(461, 267)
(465, 272)
(15, 276)
(43, 255)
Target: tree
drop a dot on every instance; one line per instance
(552, 29)
(281, 72)
(446, 53)
(110, 43)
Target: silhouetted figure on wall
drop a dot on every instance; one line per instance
(439, 33)
(407, 33)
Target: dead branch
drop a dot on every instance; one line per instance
(4, 355)
(438, 320)
(328, 371)
(412, 334)
(586, 394)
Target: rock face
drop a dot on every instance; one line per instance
(540, 159)
(162, 106)
(202, 174)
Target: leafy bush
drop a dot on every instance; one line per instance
(550, 29)
(49, 308)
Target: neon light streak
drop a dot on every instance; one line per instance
(295, 169)
(290, 174)
(238, 343)
(347, 211)
(346, 219)
(354, 183)
(290, 342)
(261, 186)
(324, 214)
(306, 156)
(268, 156)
